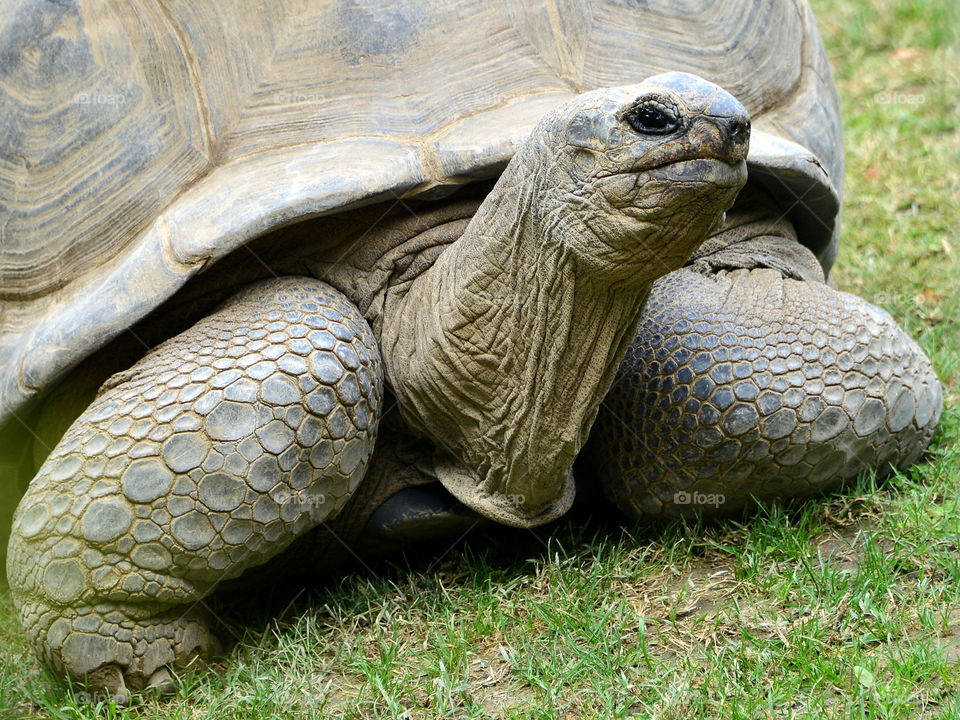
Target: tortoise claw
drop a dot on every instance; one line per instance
(161, 681)
(109, 679)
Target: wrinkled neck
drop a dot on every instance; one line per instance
(502, 352)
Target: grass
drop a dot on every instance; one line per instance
(848, 607)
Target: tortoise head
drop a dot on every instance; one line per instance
(639, 174)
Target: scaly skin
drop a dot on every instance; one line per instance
(207, 457)
(756, 384)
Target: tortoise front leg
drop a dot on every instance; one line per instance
(747, 384)
(206, 458)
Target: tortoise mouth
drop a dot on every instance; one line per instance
(718, 172)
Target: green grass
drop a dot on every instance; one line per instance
(848, 607)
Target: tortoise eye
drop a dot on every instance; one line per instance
(653, 117)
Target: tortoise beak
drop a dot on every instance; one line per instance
(727, 137)
(737, 130)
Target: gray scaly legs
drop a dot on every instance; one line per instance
(748, 384)
(206, 458)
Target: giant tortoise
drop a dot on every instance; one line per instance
(240, 244)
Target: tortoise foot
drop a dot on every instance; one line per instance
(113, 649)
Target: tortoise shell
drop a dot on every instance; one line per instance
(143, 141)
